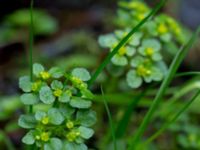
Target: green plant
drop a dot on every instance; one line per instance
(66, 117)
(142, 56)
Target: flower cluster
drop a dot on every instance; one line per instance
(162, 26)
(62, 110)
(142, 54)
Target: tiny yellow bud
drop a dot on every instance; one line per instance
(142, 71)
(122, 51)
(37, 137)
(162, 29)
(45, 136)
(149, 51)
(35, 86)
(69, 124)
(45, 120)
(57, 92)
(44, 75)
(71, 136)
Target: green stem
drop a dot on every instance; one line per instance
(31, 47)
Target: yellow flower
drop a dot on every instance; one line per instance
(44, 136)
(45, 120)
(44, 75)
(57, 92)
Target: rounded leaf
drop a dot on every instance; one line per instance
(56, 72)
(87, 118)
(78, 102)
(56, 85)
(37, 68)
(119, 60)
(39, 115)
(64, 98)
(86, 133)
(74, 146)
(53, 144)
(107, 41)
(46, 95)
(25, 83)
(29, 99)
(27, 121)
(81, 73)
(55, 116)
(29, 138)
(133, 80)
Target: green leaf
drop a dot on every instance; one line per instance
(133, 80)
(39, 115)
(130, 51)
(64, 98)
(37, 68)
(135, 40)
(25, 83)
(107, 41)
(29, 99)
(78, 102)
(56, 72)
(86, 133)
(74, 146)
(137, 61)
(153, 43)
(87, 93)
(54, 144)
(87, 118)
(55, 116)
(66, 110)
(56, 85)
(81, 73)
(29, 138)
(119, 60)
(27, 121)
(46, 95)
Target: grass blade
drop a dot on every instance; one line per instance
(193, 73)
(122, 42)
(166, 125)
(171, 73)
(110, 119)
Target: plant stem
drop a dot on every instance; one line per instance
(31, 47)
